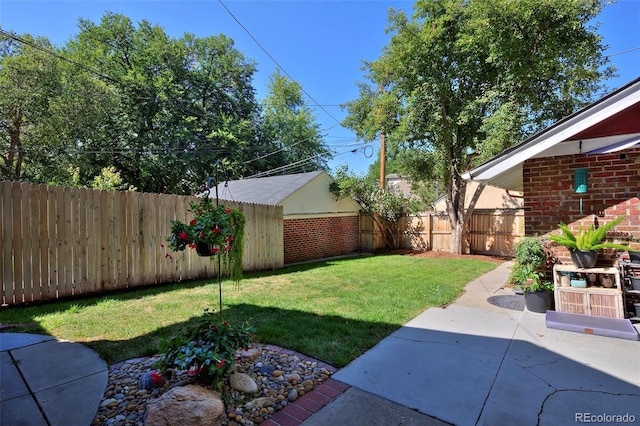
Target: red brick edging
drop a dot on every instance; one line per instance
(311, 402)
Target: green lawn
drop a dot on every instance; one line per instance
(330, 310)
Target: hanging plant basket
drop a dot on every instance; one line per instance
(204, 250)
(213, 230)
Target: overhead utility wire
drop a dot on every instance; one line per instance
(179, 150)
(296, 165)
(624, 51)
(276, 62)
(57, 55)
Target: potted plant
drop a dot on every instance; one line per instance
(626, 238)
(528, 271)
(530, 257)
(207, 351)
(585, 244)
(213, 230)
(538, 294)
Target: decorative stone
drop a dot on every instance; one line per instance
(251, 353)
(292, 377)
(277, 373)
(243, 383)
(108, 402)
(266, 369)
(292, 395)
(124, 378)
(190, 405)
(259, 403)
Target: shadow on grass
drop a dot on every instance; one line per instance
(7, 313)
(332, 339)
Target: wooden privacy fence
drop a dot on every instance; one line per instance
(58, 241)
(493, 232)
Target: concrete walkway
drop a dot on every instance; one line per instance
(45, 381)
(474, 363)
(471, 363)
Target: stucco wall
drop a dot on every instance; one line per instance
(319, 237)
(490, 198)
(316, 199)
(613, 190)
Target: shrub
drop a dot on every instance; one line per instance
(208, 350)
(529, 263)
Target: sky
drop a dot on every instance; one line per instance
(320, 44)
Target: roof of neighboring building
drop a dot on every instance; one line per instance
(271, 190)
(609, 124)
(400, 184)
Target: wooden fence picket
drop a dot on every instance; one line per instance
(58, 242)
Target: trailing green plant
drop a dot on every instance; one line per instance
(530, 251)
(219, 228)
(207, 351)
(587, 238)
(529, 261)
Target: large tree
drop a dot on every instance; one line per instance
(44, 108)
(184, 103)
(160, 112)
(292, 128)
(462, 80)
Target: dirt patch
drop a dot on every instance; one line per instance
(445, 255)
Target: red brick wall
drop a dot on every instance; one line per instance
(613, 190)
(317, 238)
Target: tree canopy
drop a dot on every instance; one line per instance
(291, 126)
(461, 81)
(157, 111)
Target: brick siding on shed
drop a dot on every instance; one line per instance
(319, 237)
(613, 190)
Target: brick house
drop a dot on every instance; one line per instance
(601, 141)
(315, 224)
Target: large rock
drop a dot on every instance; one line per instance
(190, 405)
(243, 383)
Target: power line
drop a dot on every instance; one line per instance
(623, 52)
(57, 55)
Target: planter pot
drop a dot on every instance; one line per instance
(538, 301)
(634, 256)
(203, 250)
(584, 258)
(565, 280)
(580, 282)
(635, 283)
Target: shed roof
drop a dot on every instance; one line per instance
(609, 124)
(272, 190)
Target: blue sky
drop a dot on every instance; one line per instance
(320, 44)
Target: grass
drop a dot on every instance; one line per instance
(330, 310)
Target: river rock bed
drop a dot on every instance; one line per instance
(281, 378)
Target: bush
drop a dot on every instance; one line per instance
(529, 262)
(208, 350)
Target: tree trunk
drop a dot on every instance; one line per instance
(14, 162)
(458, 215)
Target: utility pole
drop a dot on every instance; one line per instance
(383, 161)
(383, 150)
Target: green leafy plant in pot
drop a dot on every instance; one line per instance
(528, 273)
(584, 244)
